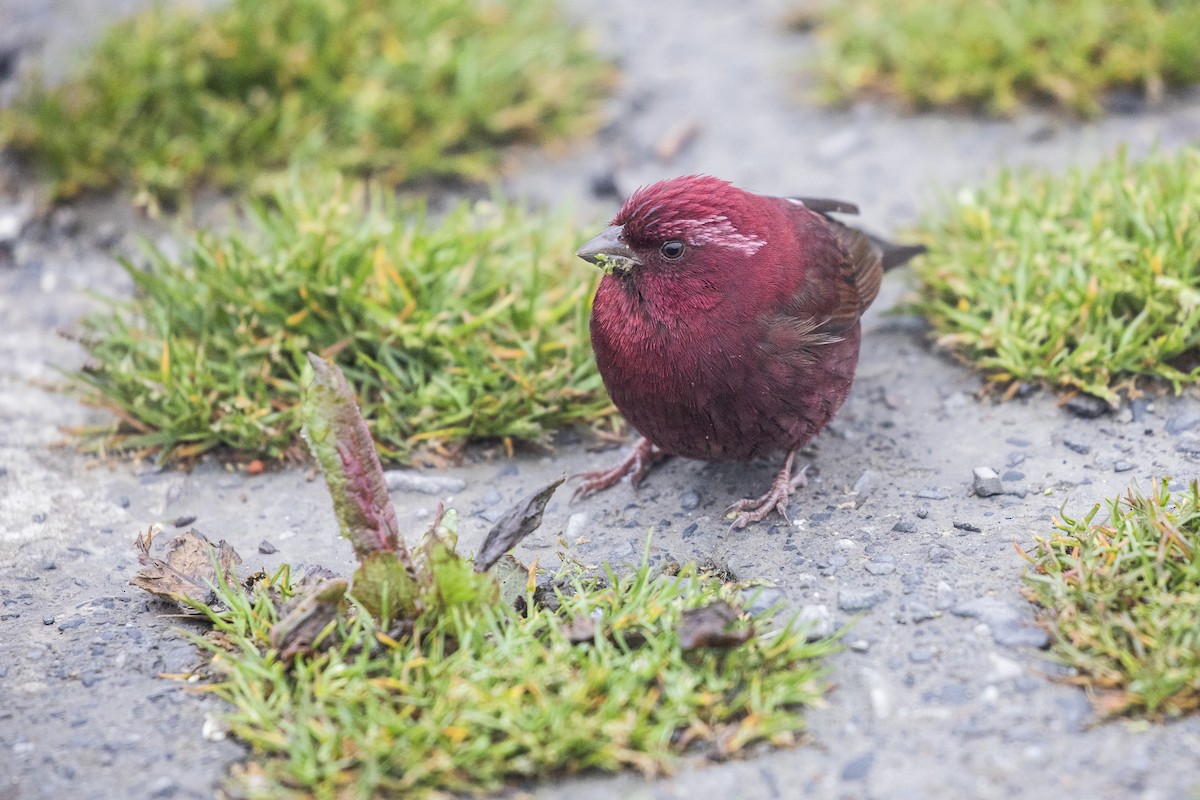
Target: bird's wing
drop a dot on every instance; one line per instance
(823, 205)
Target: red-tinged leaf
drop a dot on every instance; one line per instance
(517, 523)
(342, 446)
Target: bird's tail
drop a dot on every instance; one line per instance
(896, 254)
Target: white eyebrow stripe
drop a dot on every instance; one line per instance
(718, 230)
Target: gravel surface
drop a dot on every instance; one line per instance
(905, 531)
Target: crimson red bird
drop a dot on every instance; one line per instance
(727, 327)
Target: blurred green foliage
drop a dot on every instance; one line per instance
(475, 325)
(1082, 281)
(397, 89)
(1000, 54)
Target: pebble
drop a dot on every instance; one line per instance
(879, 567)
(758, 600)
(1086, 406)
(922, 513)
(852, 600)
(689, 500)
(858, 768)
(577, 525)
(905, 525)
(920, 655)
(864, 482)
(266, 548)
(816, 620)
(986, 482)
(1124, 466)
(920, 611)
(932, 494)
(407, 480)
(12, 221)
(1005, 622)
(969, 527)
(940, 554)
(1078, 447)
(1179, 423)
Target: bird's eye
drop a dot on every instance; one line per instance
(672, 249)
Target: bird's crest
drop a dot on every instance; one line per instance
(698, 209)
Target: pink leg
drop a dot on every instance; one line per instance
(776, 498)
(641, 457)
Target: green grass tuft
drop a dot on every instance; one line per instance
(1001, 54)
(396, 89)
(1122, 598)
(469, 701)
(1081, 281)
(471, 326)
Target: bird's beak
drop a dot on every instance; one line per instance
(608, 251)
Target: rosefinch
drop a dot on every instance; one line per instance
(727, 327)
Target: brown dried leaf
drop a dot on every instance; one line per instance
(517, 523)
(189, 569)
(713, 625)
(307, 619)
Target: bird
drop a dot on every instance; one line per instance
(727, 325)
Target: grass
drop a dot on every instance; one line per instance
(1086, 281)
(394, 89)
(470, 700)
(1122, 599)
(1000, 55)
(471, 326)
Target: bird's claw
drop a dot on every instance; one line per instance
(776, 499)
(641, 457)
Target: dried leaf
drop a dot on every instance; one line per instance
(189, 569)
(579, 630)
(308, 619)
(342, 446)
(517, 523)
(713, 625)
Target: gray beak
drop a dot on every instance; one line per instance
(607, 248)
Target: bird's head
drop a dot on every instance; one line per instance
(679, 226)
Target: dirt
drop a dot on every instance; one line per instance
(944, 690)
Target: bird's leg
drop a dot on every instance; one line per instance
(641, 457)
(776, 499)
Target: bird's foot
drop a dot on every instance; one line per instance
(776, 498)
(641, 457)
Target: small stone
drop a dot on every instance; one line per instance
(863, 484)
(945, 596)
(758, 600)
(12, 221)
(1180, 423)
(1138, 409)
(859, 645)
(689, 500)
(905, 525)
(1078, 447)
(1013, 475)
(266, 548)
(184, 521)
(859, 768)
(407, 480)
(816, 621)
(1123, 466)
(65, 221)
(932, 494)
(920, 655)
(1086, 406)
(164, 786)
(922, 513)
(577, 525)
(919, 611)
(852, 600)
(1003, 621)
(969, 527)
(986, 482)
(879, 567)
(940, 554)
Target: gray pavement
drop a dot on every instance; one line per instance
(943, 691)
